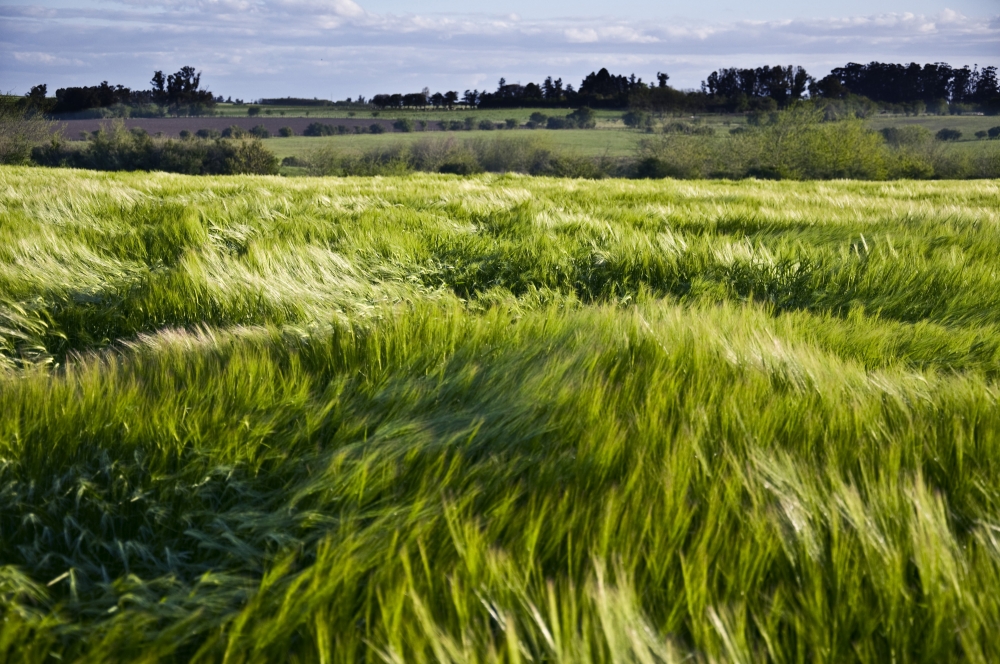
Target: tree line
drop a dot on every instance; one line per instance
(182, 88)
(908, 87)
(733, 89)
(895, 83)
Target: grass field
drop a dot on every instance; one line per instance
(498, 419)
(967, 124)
(584, 142)
(609, 140)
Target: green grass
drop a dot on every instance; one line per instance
(967, 124)
(497, 419)
(584, 142)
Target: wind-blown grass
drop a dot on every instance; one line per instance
(497, 419)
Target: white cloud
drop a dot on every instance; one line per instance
(254, 48)
(44, 59)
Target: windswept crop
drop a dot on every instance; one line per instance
(497, 419)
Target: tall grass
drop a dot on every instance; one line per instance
(497, 419)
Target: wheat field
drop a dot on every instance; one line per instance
(497, 419)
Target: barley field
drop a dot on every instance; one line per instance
(497, 419)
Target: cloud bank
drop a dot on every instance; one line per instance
(324, 48)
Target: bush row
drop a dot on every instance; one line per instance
(121, 149)
(581, 119)
(798, 145)
(447, 154)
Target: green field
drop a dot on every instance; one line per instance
(584, 142)
(497, 418)
(614, 141)
(967, 124)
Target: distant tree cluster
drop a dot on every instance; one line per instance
(782, 84)
(933, 87)
(896, 83)
(180, 89)
(599, 89)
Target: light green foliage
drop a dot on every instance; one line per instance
(498, 418)
(794, 144)
(20, 131)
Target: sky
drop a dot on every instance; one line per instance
(345, 48)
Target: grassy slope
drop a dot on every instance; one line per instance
(443, 419)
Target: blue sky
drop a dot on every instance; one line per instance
(340, 48)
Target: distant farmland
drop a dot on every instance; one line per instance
(497, 418)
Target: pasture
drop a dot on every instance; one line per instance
(584, 142)
(497, 419)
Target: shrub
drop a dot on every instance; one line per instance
(403, 124)
(583, 118)
(185, 134)
(286, 132)
(470, 123)
(250, 157)
(993, 132)
(260, 131)
(510, 123)
(558, 123)
(208, 133)
(677, 128)
(638, 120)
(653, 168)
(253, 111)
(538, 118)
(422, 124)
(487, 125)
(982, 134)
(913, 135)
(321, 129)
(121, 149)
(315, 129)
(376, 128)
(234, 131)
(454, 125)
(948, 134)
(462, 167)
(295, 162)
